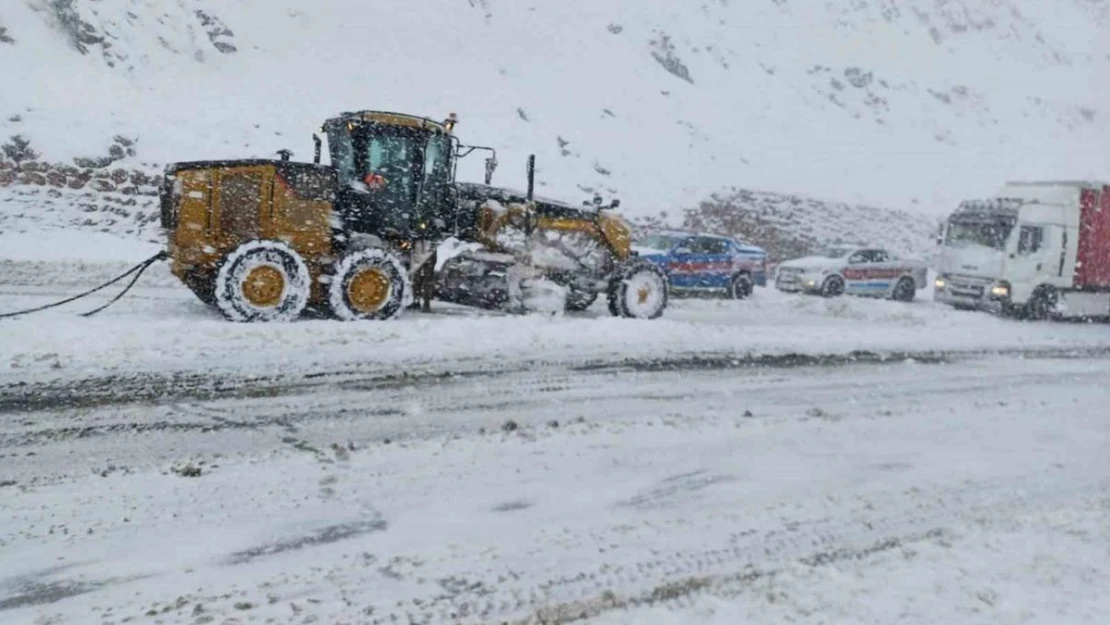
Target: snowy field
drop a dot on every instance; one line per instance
(783, 459)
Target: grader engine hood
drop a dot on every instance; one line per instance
(501, 217)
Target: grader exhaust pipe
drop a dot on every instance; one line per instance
(531, 176)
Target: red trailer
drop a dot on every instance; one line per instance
(1092, 265)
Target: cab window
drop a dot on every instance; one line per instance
(706, 245)
(391, 157)
(437, 161)
(343, 155)
(1031, 240)
(869, 256)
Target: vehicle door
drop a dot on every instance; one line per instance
(868, 272)
(681, 264)
(714, 267)
(1035, 257)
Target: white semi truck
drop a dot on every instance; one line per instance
(1038, 250)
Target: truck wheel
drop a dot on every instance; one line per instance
(741, 286)
(639, 291)
(1042, 304)
(832, 287)
(905, 290)
(577, 301)
(369, 284)
(262, 281)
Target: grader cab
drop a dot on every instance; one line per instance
(262, 240)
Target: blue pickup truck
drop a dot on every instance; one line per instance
(705, 263)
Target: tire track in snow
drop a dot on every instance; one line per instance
(826, 534)
(616, 561)
(156, 388)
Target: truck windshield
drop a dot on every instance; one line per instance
(992, 234)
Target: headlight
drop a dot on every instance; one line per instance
(1000, 291)
(940, 284)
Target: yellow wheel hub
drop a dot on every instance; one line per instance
(643, 294)
(368, 290)
(264, 286)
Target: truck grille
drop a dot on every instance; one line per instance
(966, 286)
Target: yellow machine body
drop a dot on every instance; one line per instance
(220, 205)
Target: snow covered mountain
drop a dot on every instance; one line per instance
(909, 104)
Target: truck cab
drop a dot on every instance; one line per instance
(1037, 249)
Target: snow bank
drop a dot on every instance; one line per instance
(161, 327)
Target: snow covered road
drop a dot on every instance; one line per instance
(418, 502)
(784, 458)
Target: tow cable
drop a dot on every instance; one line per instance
(137, 270)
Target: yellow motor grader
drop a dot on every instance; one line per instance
(262, 240)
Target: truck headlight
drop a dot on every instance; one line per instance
(940, 284)
(1000, 291)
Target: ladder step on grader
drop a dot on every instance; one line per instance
(265, 240)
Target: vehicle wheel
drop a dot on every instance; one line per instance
(904, 291)
(639, 291)
(262, 281)
(833, 287)
(1042, 305)
(577, 301)
(369, 284)
(741, 287)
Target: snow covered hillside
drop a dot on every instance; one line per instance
(910, 104)
(791, 226)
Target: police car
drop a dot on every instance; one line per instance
(853, 270)
(705, 263)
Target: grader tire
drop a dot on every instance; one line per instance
(369, 284)
(639, 291)
(262, 281)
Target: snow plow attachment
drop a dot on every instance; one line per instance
(544, 255)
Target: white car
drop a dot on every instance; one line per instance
(855, 270)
